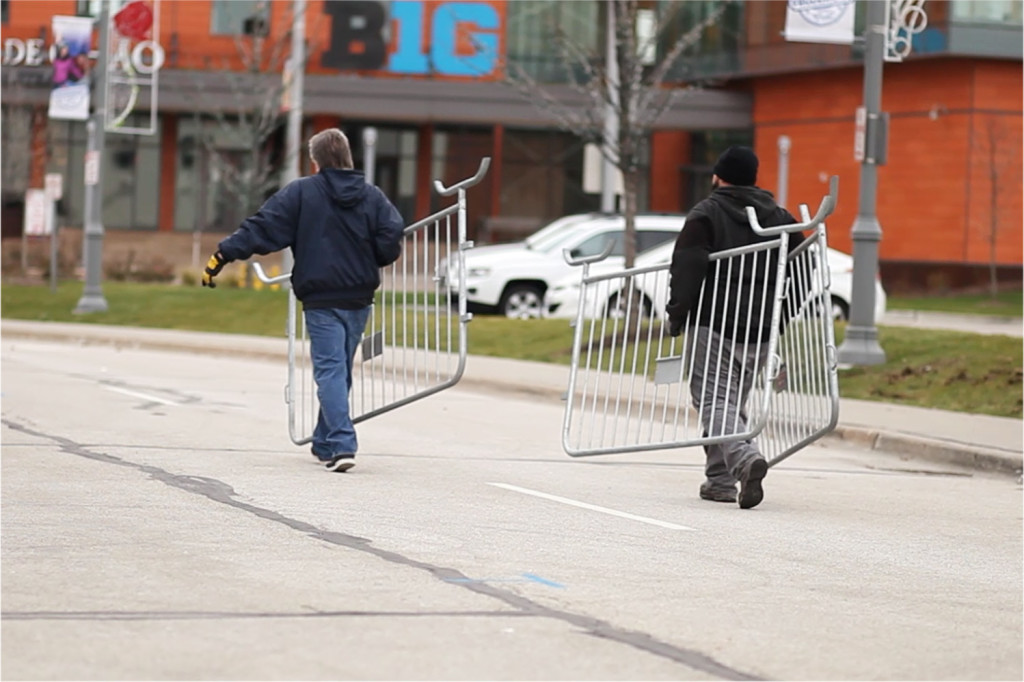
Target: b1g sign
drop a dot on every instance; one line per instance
(458, 39)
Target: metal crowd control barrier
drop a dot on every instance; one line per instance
(414, 344)
(633, 387)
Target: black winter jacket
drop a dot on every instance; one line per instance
(341, 231)
(716, 224)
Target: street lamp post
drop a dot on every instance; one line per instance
(609, 171)
(296, 91)
(92, 300)
(860, 345)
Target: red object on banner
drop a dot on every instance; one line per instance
(134, 20)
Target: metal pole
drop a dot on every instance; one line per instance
(860, 346)
(783, 190)
(51, 217)
(296, 87)
(611, 122)
(369, 153)
(92, 300)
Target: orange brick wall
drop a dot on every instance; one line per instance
(933, 194)
(668, 150)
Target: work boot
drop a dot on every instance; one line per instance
(709, 491)
(751, 492)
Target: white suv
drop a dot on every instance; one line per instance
(563, 298)
(511, 279)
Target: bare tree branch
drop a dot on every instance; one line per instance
(634, 100)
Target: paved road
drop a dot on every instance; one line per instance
(156, 523)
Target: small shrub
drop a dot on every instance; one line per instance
(189, 277)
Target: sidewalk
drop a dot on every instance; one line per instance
(977, 442)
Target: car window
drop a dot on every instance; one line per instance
(557, 230)
(650, 238)
(597, 244)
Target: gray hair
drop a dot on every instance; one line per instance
(330, 149)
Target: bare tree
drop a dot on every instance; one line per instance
(632, 89)
(243, 160)
(16, 123)
(997, 165)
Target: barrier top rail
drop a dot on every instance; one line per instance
(597, 257)
(485, 163)
(267, 279)
(828, 204)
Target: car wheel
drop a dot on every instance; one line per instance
(840, 310)
(522, 301)
(616, 308)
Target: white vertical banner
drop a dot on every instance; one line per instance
(134, 59)
(69, 98)
(820, 21)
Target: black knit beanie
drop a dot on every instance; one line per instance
(737, 166)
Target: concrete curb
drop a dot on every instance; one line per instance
(906, 446)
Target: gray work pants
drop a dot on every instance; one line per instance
(723, 374)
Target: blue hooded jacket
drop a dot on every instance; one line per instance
(341, 231)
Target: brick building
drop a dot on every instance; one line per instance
(949, 197)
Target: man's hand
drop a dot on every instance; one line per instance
(213, 268)
(675, 327)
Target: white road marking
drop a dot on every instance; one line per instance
(592, 507)
(134, 394)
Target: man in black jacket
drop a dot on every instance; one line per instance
(341, 231)
(729, 341)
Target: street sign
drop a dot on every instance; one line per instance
(35, 212)
(92, 167)
(860, 134)
(54, 186)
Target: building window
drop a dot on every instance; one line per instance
(542, 175)
(131, 174)
(4, 10)
(717, 49)
(988, 11)
(533, 26)
(91, 8)
(240, 17)
(706, 146)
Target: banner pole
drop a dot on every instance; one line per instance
(92, 300)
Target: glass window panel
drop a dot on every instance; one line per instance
(718, 46)
(16, 132)
(91, 8)
(239, 17)
(988, 11)
(532, 26)
(131, 179)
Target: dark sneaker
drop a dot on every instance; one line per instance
(716, 494)
(341, 462)
(751, 492)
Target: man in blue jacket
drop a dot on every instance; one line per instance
(341, 231)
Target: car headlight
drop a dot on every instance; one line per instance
(478, 272)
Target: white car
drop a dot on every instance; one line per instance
(511, 279)
(563, 297)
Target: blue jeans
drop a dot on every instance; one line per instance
(334, 335)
